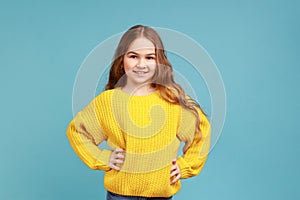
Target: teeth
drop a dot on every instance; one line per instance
(140, 72)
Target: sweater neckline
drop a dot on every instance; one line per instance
(137, 96)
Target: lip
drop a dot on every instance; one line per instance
(140, 72)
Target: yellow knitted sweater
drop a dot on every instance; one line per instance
(150, 130)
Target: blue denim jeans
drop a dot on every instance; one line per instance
(113, 196)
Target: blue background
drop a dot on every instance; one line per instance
(254, 44)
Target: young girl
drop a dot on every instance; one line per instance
(143, 115)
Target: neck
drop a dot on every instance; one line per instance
(138, 90)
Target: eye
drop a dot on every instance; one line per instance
(132, 56)
(150, 58)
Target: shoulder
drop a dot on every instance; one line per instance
(189, 117)
(105, 95)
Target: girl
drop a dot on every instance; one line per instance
(143, 114)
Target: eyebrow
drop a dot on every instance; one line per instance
(148, 54)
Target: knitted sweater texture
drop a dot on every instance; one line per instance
(150, 130)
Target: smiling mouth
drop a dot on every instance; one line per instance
(140, 72)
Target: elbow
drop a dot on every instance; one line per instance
(70, 129)
(191, 170)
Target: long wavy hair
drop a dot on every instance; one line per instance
(163, 78)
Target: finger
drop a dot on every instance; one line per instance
(118, 161)
(119, 150)
(115, 159)
(174, 173)
(120, 156)
(174, 167)
(114, 156)
(175, 179)
(114, 167)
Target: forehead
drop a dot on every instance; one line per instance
(142, 45)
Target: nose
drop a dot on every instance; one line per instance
(141, 63)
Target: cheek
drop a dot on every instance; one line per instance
(127, 65)
(127, 69)
(153, 66)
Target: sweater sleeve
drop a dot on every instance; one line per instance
(85, 134)
(196, 149)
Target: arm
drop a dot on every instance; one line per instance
(85, 134)
(195, 150)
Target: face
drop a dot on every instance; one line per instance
(140, 62)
